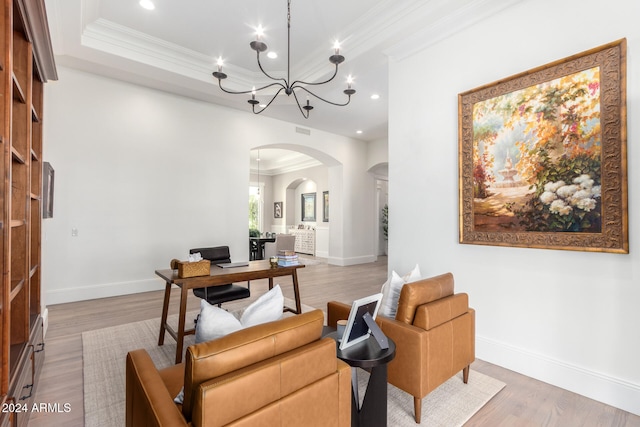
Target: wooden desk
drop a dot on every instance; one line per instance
(219, 276)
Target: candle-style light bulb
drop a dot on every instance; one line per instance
(349, 81)
(336, 47)
(259, 32)
(220, 63)
(253, 93)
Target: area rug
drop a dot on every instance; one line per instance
(104, 352)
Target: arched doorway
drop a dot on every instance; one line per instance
(291, 175)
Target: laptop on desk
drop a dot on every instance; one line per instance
(233, 264)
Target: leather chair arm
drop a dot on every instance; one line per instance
(411, 354)
(405, 336)
(337, 311)
(146, 394)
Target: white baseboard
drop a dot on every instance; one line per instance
(322, 254)
(61, 296)
(594, 385)
(343, 262)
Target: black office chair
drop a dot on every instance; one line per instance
(216, 295)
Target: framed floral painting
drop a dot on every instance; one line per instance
(542, 156)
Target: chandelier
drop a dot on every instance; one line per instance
(286, 85)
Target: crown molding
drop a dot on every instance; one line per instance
(447, 25)
(34, 16)
(375, 27)
(394, 29)
(121, 41)
(294, 167)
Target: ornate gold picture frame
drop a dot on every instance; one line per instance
(542, 156)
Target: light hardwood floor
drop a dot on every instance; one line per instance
(523, 402)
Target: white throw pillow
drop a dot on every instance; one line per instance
(215, 322)
(391, 291)
(390, 295)
(413, 275)
(267, 308)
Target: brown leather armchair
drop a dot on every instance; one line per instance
(434, 332)
(275, 374)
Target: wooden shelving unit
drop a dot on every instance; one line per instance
(25, 64)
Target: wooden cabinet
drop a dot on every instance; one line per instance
(305, 240)
(25, 64)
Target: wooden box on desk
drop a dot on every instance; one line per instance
(193, 269)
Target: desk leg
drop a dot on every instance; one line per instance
(181, 321)
(270, 283)
(165, 311)
(296, 292)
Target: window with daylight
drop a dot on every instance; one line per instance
(255, 208)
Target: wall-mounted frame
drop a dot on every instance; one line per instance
(308, 207)
(325, 206)
(542, 156)
(277, 210)
(48, 175)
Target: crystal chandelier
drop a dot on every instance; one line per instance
(287, 85)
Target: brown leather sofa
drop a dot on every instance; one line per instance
(276, 374)
(434, 332)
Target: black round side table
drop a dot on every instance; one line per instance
(369, 356)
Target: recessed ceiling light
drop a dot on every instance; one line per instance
(358, 132)
(262, 105)
(272, 55)
(147, 4)
(375, 96)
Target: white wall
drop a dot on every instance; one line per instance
(144, 175)
(568, 318)
(378, 153)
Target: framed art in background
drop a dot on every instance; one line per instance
(48, 175)
(309, 207)
(325, 206)
(542, 156)
(277, 210)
